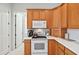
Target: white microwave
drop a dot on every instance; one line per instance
(39, 24)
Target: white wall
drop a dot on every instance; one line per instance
(73, 34)
(4, 7)
(5, 28)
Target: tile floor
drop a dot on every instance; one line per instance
(18, 51)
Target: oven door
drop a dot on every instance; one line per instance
(39, 47)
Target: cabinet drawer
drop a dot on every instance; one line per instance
(69, 52)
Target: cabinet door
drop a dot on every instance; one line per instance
(51, 47)
(58, 32)
(60, 49)
(50, 21)
(64, 16)
(36, 14)
(49, 18)
(68, 52)
(27, 47)
(29, 18)
(42, 15)
(57, 18)
(5, 37)
(73, 15)
(59, 52)
(61, 46)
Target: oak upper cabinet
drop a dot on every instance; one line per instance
(73, 15)
(58, 32)
(50, 21)
(27, 47)
(49, 18)
(29, 18)
(60, 16)
(57, 18)
(42, 15)
(51, 47)
(63, 15)
(36, 14)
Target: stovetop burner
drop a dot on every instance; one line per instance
(39, 37)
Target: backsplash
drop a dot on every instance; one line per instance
(73, 34)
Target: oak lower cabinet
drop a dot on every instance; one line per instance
(27, 47)
(60, 49)
(59, 52)
(69, 52)
(51, 47)
(54, 48)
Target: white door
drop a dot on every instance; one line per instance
(4, 39)
(0, 34)
(19, 29)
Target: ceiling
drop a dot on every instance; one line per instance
(24, 6)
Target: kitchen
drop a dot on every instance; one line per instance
(48, 29)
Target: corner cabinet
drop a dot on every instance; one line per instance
(62, 50)
(57, 18)
(73, 15)
(69, 52)
(63, 16)
(27, 47)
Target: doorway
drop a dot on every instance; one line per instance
(19, 28)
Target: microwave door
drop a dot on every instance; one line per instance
(39, 24)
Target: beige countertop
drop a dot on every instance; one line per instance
(72, 45)
(27, 38)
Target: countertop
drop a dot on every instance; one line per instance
(72, 45)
